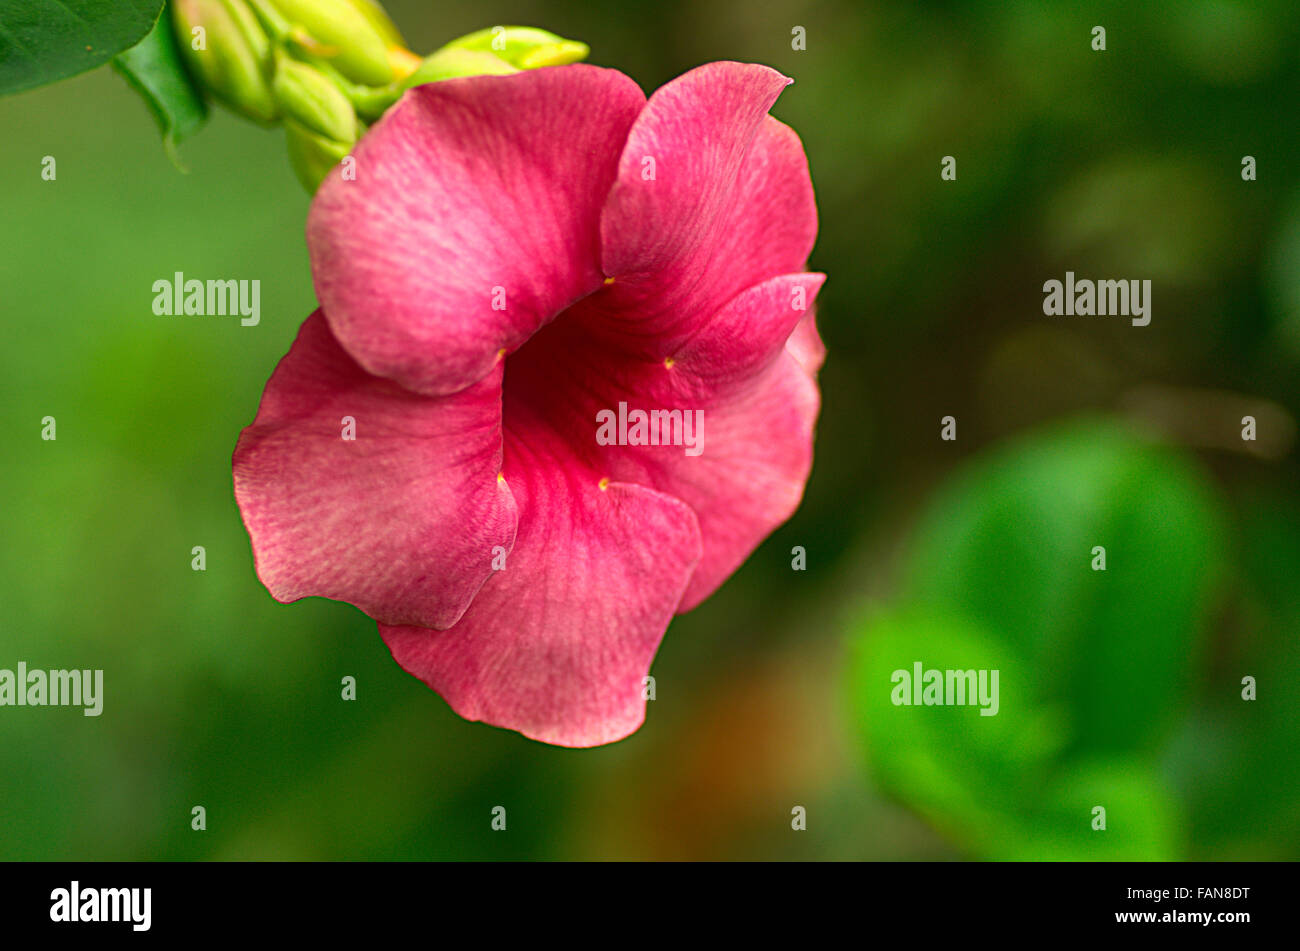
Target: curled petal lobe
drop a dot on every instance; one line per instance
(805, 344)
(730, 203)
(473, 219)
(402, 519)
(738, 342)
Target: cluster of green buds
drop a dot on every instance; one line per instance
(325, 69)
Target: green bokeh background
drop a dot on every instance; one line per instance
(1121, 690)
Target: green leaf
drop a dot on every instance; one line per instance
(965, 772)
(1000, 787)
(1142, 817)
(154, 68)
(45, 40)
(1093, 665)
(1010, 541)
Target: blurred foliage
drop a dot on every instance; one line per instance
(1121, 164)
(1094, 662)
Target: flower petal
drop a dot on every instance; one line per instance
(738, 342)
(806, 344)
(757, 405)
(557, 645)
(473, 220)
(749, 479)
(730, 203)
(400, 521)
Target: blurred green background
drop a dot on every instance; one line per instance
(1120, 689)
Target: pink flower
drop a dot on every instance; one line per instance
(515, 255)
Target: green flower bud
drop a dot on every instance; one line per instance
(378, 19)
(312, 99)
(371, 102)
(356, 47)
(524, 46)
(227, 52)
(450, 63)
(312, 155)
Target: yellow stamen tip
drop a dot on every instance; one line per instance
(603, 484)
(609, 280)
(668, 362)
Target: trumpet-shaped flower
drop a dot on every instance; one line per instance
(515, 261)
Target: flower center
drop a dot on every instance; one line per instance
(553, 386)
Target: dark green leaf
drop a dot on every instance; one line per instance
(1010, 542)
(962, 771)
(1093, 664)
(1000, 787)
(45, 40)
